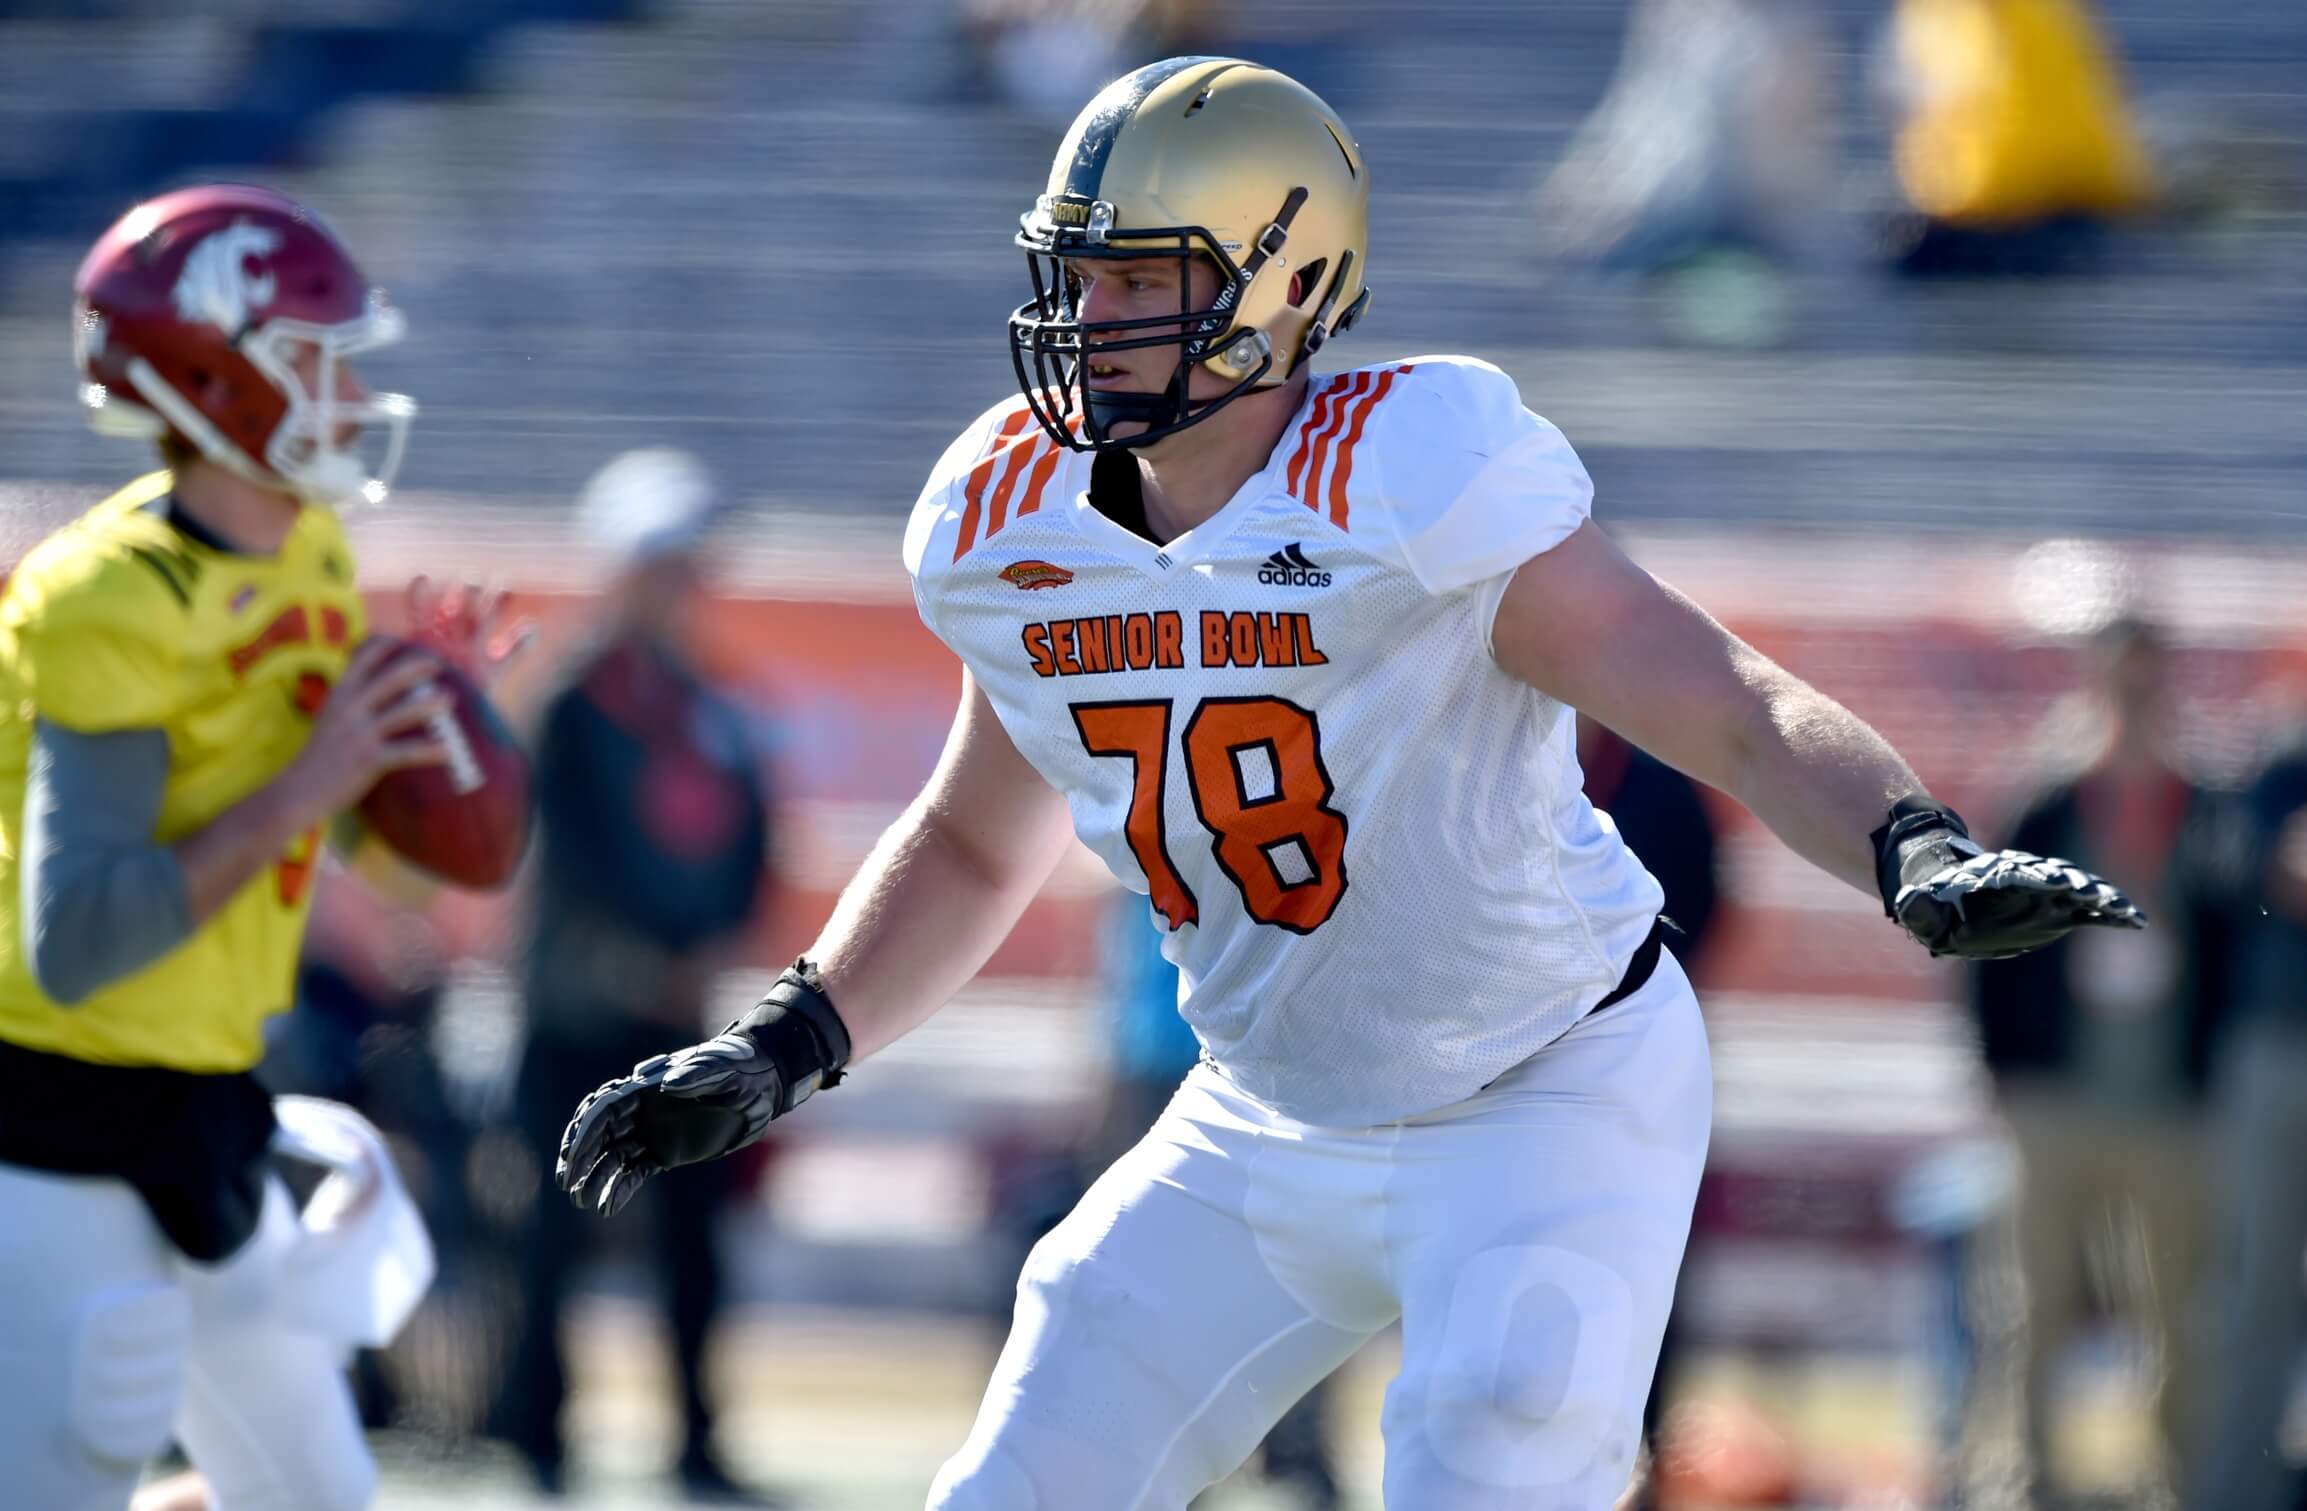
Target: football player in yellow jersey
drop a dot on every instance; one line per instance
(186, 702)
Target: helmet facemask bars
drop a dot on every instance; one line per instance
(1189, 162)
(1051, 346)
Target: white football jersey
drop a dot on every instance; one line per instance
(1379, 877)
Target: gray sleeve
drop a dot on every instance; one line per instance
(102, 899)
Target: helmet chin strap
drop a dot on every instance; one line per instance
(1156, 411)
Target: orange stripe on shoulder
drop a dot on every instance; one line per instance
(1361, 417)
(1005, 440)
(1323, 435)
(997, 512)
(1324, 402)
(1044, 468)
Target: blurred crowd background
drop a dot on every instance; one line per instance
(1954, 351)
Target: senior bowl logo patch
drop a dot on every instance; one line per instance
(1035, 574)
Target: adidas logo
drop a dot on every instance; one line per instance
(1290, 568)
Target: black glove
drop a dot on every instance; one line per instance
(707, 1100)
(1959, 899)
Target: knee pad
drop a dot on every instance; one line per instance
(1056, 1280)
(1534, 1379)
(128, 1371)
(984, 1479)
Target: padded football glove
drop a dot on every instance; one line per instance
(1959, 899)
(707, 1100)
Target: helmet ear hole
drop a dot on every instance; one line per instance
(1305, 280)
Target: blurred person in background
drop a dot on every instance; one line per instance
(654, 825)
(188, 700)
(2100, 1048)
(2258, 1302)
(1955, 1203)
(2013, 147)
(1662, 817)
(1320, 711)
(1706, 163)
(1042, 56)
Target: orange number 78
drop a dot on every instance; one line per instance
(1257, 819)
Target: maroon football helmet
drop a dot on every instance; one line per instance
(220, 315)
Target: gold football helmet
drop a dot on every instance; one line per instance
(1193, 157)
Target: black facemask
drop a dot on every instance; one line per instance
(1049, 342)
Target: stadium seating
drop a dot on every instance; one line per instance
(778, 233)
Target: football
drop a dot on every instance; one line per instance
(466, 820)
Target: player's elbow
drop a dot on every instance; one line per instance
(95, 916)
(63, 975)
(71, 945)
(1719, 733)
(1758, 720)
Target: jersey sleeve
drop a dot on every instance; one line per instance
(89, 634)
(1471, 483)
(944, 524)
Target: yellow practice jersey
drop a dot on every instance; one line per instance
(123, 621)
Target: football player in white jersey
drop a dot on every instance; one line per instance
(1296, 654)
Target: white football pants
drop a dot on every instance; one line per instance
(111, 1340)
(1528, 1238)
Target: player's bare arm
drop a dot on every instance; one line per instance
(934, 898)
(1585, 624)
(944, 885)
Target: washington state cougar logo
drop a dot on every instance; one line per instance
(1035, 574)
(216, 285)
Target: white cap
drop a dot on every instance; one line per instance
(646, 504)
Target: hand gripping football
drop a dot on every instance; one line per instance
(466, 820)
